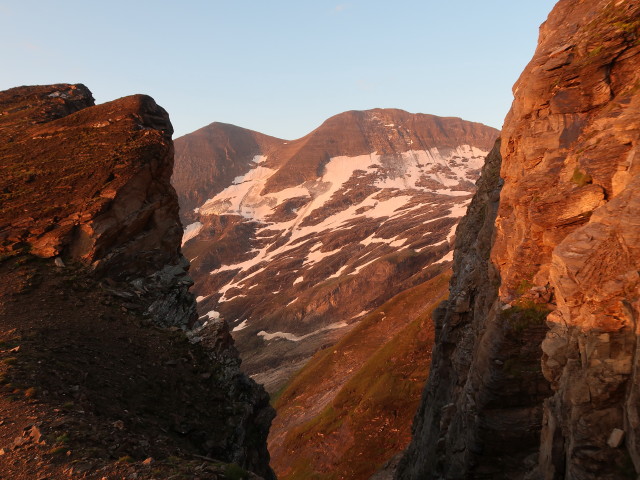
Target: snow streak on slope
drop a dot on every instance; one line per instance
(191, 231)
(292, 269)
(438, 171)
(447, 173)
(381, 202)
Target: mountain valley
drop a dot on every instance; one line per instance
(393, 296)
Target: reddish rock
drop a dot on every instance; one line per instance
(88, 182)
(349, 409)
(566, 241)
(90, 237)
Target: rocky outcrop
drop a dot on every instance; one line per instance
(312, 234)
(92, 183)
(89, 187)
(482, 403)
(566, 242)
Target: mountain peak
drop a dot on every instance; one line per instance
(287, 220)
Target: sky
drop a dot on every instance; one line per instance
(280, 67)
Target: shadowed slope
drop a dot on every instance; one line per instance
(350, 408)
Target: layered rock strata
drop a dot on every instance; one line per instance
(89, 186)
(566, 241)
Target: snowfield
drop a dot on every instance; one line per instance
(398, 187)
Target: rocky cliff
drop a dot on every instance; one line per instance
(312, 234)
(97, 374)
(535, 368)
(91, 183)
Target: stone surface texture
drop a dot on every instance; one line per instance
(92, 183)
(566, 240)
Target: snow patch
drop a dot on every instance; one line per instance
(295, 338)
(447, 258)
(191, 231)
(315, 255)
(398, 243)
(405, 172)
(339, 272)
(386, 208)
(458, 210)
(287, 336)
(242, 326)
(371, 239)
(359, 269)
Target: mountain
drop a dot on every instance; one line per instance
(229, 151)
(535, 369)
(98, 378)
(292, 242)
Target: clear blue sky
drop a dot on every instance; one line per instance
(277, 66)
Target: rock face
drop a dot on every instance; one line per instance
(565, 240)
(91, 183)
(482, 401)
(89, 186)
(312, 234)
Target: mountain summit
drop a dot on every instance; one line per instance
(292, 242)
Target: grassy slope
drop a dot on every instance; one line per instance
(383, 363)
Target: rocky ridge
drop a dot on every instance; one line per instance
(70, 191)
(90, 233)
(312, 234)
(534, 371)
